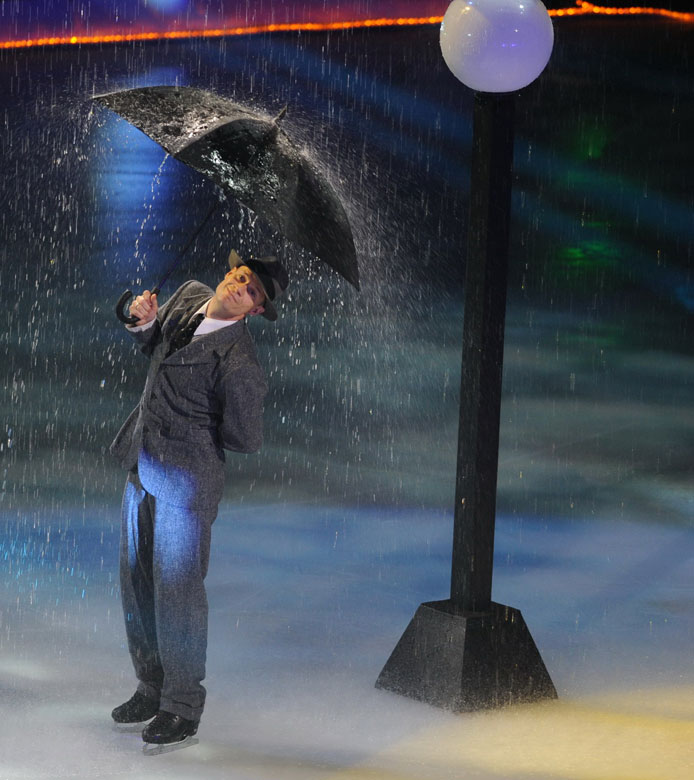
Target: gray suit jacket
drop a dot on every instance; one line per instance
(204, 398)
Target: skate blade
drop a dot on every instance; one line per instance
(150, 749)
(130, 728)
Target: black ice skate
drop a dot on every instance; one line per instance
(169, 729)
(136, 710)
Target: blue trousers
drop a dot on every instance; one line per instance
(164, 554)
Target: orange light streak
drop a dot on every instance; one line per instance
(219, 33)
(582, 9)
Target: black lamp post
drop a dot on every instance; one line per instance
(468, 652)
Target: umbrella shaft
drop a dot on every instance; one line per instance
(174, 265)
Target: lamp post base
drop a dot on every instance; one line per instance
(466, 661)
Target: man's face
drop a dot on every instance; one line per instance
(239, 294)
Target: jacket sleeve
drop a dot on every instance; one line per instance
(243, 391)
(148, 338)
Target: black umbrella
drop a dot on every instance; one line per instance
(251, 158)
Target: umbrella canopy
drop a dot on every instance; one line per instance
(251, 158)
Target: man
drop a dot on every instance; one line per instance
(201, 396)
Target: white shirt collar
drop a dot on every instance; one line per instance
(209, 325)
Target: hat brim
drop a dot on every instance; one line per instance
(269, 311)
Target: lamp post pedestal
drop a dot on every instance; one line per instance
(469, 653)
(467, 661)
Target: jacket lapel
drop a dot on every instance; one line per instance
(181, 314)
(204, 348)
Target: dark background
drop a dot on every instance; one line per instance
(365, 387)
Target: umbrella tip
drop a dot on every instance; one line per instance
(281, 114)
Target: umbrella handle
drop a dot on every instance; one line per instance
(120, 307)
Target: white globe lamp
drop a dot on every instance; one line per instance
(496, 45)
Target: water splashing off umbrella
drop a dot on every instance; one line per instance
(251, 159)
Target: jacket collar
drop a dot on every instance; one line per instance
(204, 347)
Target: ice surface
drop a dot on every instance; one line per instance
(307, 602)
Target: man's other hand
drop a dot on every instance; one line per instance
(144, 307)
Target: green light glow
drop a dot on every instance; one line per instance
(591, 266)
(589, 142)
